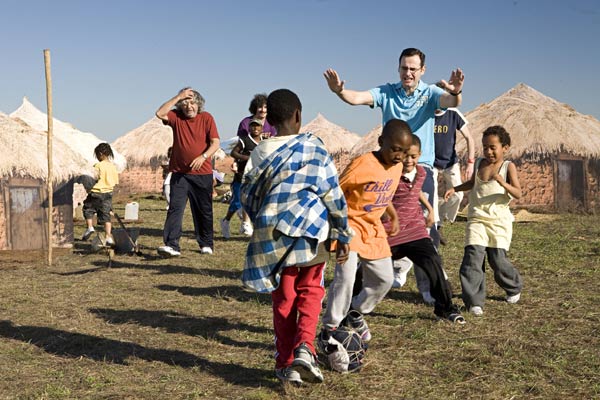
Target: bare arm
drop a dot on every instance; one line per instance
(471, 150)
(395, 225)
(514, 187)
(164, 109)
(430, 220)
(236, 152)
(352, 97)
(468, 185)
(453, 88)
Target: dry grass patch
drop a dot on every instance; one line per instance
(184, 328)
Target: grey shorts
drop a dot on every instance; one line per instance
(98, 203)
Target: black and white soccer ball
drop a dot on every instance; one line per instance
(341, 349)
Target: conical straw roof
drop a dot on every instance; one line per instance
(25, 153)
(83, 143)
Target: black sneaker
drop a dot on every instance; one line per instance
(304, 364)
(356, 321)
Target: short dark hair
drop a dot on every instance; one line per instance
(281, 105)
(411, 51)
(395, 127)
(497, 130)
(259, 99)
(416, 141)
(103, 149)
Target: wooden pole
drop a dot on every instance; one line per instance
(50, 129)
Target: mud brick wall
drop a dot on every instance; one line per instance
(537, 184)
(140, 179)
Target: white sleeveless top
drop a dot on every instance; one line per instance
(489, 220)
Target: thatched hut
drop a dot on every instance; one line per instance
(23, 189)
(338, 140)
(80, 142)
(145, 149)
(556, 149)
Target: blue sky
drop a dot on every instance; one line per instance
(115, 62)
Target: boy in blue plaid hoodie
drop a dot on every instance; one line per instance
(292, 195)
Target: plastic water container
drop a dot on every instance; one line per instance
(131, 211)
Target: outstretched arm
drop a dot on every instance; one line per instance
(453, 88)
(164, 109)
(468, 185)
(352, 97)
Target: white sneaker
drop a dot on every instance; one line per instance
(88, 233)
(246, 228)
(225, 228)
(168, 251)
(206, 250)
(401, 269)
(109, 241)
(476, 310)
(513, 299)
(428, 298)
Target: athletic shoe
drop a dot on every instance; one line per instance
(513, 299)
(109, 241)
(305, 364)
(168, 251)
(356, 321)
(476, 310)
(428, 298)
(456, 318)
(225, 228)
(88, 233)
(246, 228)
(401, 269)
(206, 250)
(288, 375)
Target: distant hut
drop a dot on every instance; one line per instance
(80, 142)
(338, 140)
(23, 188)
(556, 149)
(145, 149)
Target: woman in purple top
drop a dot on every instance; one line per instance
(258, 109)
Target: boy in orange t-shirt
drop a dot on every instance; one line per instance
(369, 183)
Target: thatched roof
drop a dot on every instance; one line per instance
(335, 137)
(538, 125)
(368, 142)
(147, 144)
(25, 153)
(83, 143)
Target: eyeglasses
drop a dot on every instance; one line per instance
(409, 69)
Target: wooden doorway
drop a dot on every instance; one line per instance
(570, 184)
(27, 218)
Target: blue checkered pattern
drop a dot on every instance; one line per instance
(295, 202)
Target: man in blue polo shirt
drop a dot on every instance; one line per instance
(410, 100)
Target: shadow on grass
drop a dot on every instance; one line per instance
(173, 322)
(226, 292)
(75, 345)
(118, 262)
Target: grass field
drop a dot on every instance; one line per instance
(183, 328)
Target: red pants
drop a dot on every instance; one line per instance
(296, 308)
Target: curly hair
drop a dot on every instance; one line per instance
(197, 98)
(500, 132)
(259, 100)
